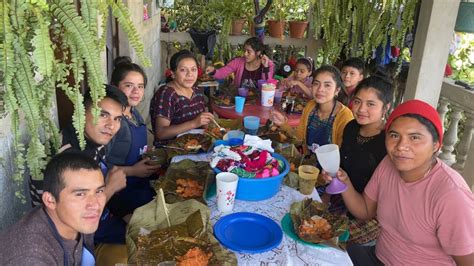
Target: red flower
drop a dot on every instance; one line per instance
(448, 71)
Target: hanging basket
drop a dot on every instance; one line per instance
(297, 29)
(465, 19)
(276, 28)
(237, 27)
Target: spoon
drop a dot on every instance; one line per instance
(221, 129)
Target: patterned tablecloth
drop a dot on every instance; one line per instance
(289, 252)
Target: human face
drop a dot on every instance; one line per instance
(250, 54)
(186, 73)
(324, 88)
(367, 108)
(133, 85)
(108, 122)
(301, 72)
(351, 76)
(410, 146)
(80, 203)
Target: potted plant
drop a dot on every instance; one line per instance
(297, 16)
(276, 23)
(48, 45)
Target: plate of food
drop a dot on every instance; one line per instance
(224, 101)
(310, 222)
(190, 143)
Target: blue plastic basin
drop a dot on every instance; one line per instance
(255, 189)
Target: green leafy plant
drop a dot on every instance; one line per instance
(48, 44)
(358, 26)
(297, 10)
(461, 57)
(278, 10)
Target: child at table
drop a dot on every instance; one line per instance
(352, 72)
(248, 69)
(299, 83)
(179, 106)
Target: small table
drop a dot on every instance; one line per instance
(256, 110)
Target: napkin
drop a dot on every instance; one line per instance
(257, 142)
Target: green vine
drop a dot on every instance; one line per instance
(44, 45)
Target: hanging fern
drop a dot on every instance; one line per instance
(44, 45)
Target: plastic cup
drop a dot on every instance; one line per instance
(251, 124)
(226, 184)
(328, 158)
(260, 83)
(234, 134)
(243, 92)
(278, 96)
(239, 104)
(268, 93)
(308, 175)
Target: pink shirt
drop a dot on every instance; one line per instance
(424, 222)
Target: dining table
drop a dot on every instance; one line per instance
(289, 251)
(263, 112)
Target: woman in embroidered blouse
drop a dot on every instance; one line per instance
(323, 119)
(248, 69)
(363, 147)
(179, 106)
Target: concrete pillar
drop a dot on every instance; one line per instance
(430, 52)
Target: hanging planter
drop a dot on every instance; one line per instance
(237, 26)
(297, 29)
(276, 28)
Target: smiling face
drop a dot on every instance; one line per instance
(133, 86)
(301, 72)
(250, 54)
(108, 122)
(324, 88)
(186, 73)
(80, 202)
(367, 107)
(351, 76)
(410, 146)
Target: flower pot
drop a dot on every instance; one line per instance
(237, 27)
(276, 28)
(297, 29)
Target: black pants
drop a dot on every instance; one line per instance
(363, 255)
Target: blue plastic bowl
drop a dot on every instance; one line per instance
(255, 189)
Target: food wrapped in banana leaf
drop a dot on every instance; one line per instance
(314, 223)
(186, 180)
(214, 131)
(188, 144)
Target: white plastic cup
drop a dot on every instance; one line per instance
(268, 93)
(226, 189)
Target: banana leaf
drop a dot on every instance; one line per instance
(182, 144)
(187, 170)
(150, 240)
(213, 130)
(308, 209)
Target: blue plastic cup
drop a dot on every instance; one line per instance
(239, 104)
(251, 124)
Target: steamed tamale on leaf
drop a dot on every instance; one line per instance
(314, 223)
(172, 243)
(189, 143)
(214, 132)
(276, 134)
(186, 180)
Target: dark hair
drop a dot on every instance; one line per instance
(60, 163)
(180, 55)
(111, 92)
(383, 88)
(335, 73)
(427, 123)
(257, 45)
(123, 65)
(355, 62)
(308, 62)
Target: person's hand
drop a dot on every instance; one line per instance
(209, 69)
(116, 180)
(278, 118)
(265, 60)
(143, 169)
(285, 83)
(203, 119)
(292, 83)
(341, 175)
